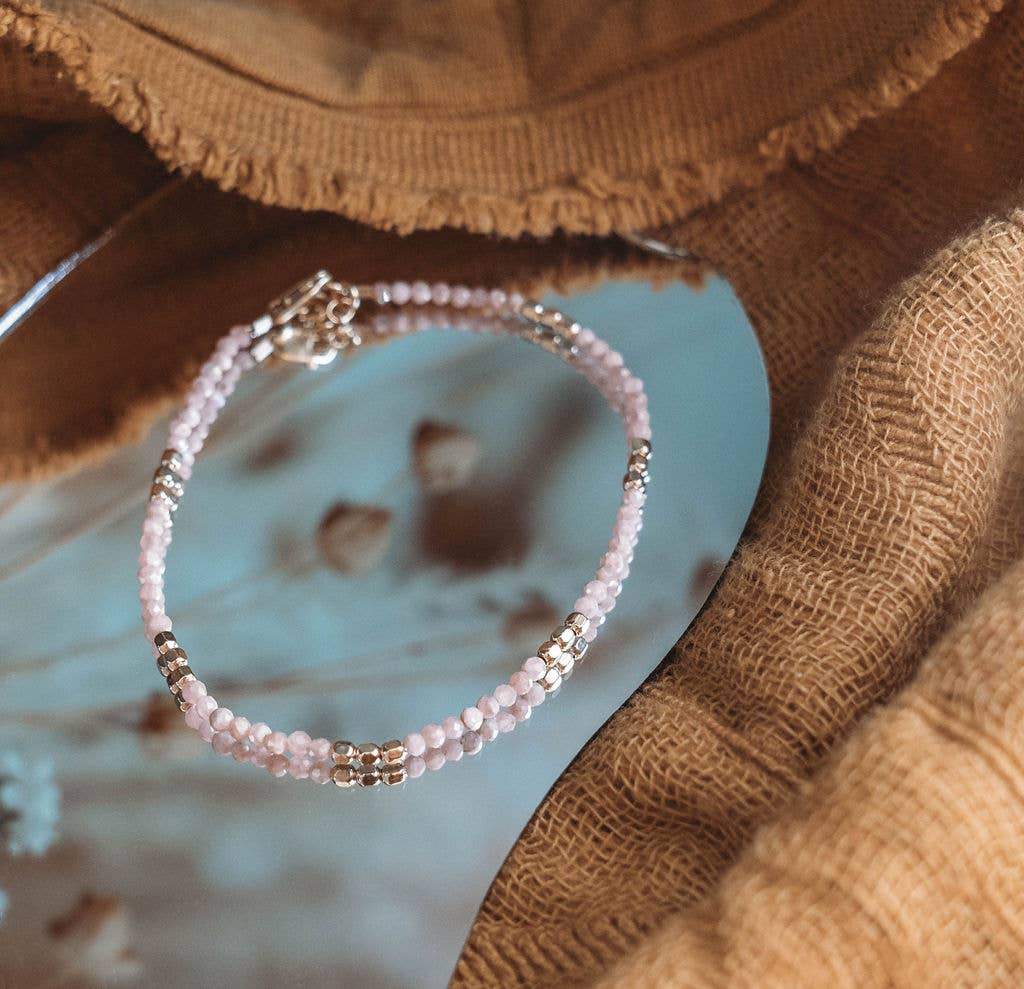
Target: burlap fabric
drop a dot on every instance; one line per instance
(824, 782)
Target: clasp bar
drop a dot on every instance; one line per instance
(310, 323)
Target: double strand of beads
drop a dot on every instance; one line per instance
(311, 324)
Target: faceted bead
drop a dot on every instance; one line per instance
(415, 744)
(368, 776)
(368, 754)
(393, 752)
(343, 775)
(343, 752)
(393, 775)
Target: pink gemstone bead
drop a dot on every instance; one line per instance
(259, 733)
(298, 742)
(239, 727)
(222, 742)
(489, 730)
(520, 710)
(298, 768)
(488, 706)
(194, 719)
(415, 766)
(453, 728)
(415, 744)
(206, 706)
(535, 695)
(586, 606)
(221, 719)
(157, 624)
(520, 682)
(206, 733)
(240, 751)
(434, 736)
(401, 293)
(460, 296)
(472, 743)
(452, 750)
(472, 718)
(320, 772)
(420, 293)
(277, 765)
(320, 749)
(534, 667)
(505, 695)
(434, 759)
(505, 721)
(193, 690)
(441, 294)
(277, 742)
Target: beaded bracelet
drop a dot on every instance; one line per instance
(310, 326)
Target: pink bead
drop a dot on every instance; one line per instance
(497, 298)
(320, 772)
(595, 589)
(415, 744)
(472, 718)
(472, 743)
(489, 730)
(320, 749)
(277, 742)
(504, 694)
(298, 742)
(194, 719)
(534, 668)
(277, 765)
(585, 337)
(221, 719)
(441, 293)
(586, 606)
(505, 721)
(239, 727)
(535, 695)
(520, 682)
(420, 293)
(515, 300)
(460, 296)
(222, 742)
(434, 759)
(453, 728)
(259, 733)
(240, 751)
(206, 706)
(479, 297)
(193, 690)
(488, 706)
(520, 710)
(401, 293)
(298, 768)
(434, 736)
(415, 766)
(206, 733)
(157, 624)
(452, 750)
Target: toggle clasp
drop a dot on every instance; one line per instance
(310, 323)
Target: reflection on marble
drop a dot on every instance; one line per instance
(224, 876)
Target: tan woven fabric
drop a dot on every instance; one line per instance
(842, 164)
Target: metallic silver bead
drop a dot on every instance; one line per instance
(165, 641)
(172, 460)
(640, 447)
(261, 349)
(565, 637)
(368, 776)
(343, 775)
(550, 651)
(158, 492)
(343, 752)
(393, 752)
(579, 648)
(178, 676)
(169, 661)
(393, 775)
(170, 480)
(578, 622)
(634, 481)
(565, 663)
(551, 680)
(368, 754)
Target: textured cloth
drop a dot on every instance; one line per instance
(852, 169)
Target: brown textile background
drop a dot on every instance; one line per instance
(853, 169)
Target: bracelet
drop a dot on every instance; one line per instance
(310, 326)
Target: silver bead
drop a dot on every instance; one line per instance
(565, 637)
(564, 664)
(172, 460)
(640, 447)
(176, 677)
(393, 775)
(579, 648)
(550, 651)
(343, 752)
(159, 493)
(170, 480)
(343, 775)
(169, 661)
(551, 680)
(578, 622)
(368, 754)
(165, 641)
(393, 753)
(368, 776)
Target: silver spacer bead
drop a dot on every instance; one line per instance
(578, 622)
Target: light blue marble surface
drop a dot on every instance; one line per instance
(232, 879)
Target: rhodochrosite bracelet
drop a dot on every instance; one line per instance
(310, 326)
